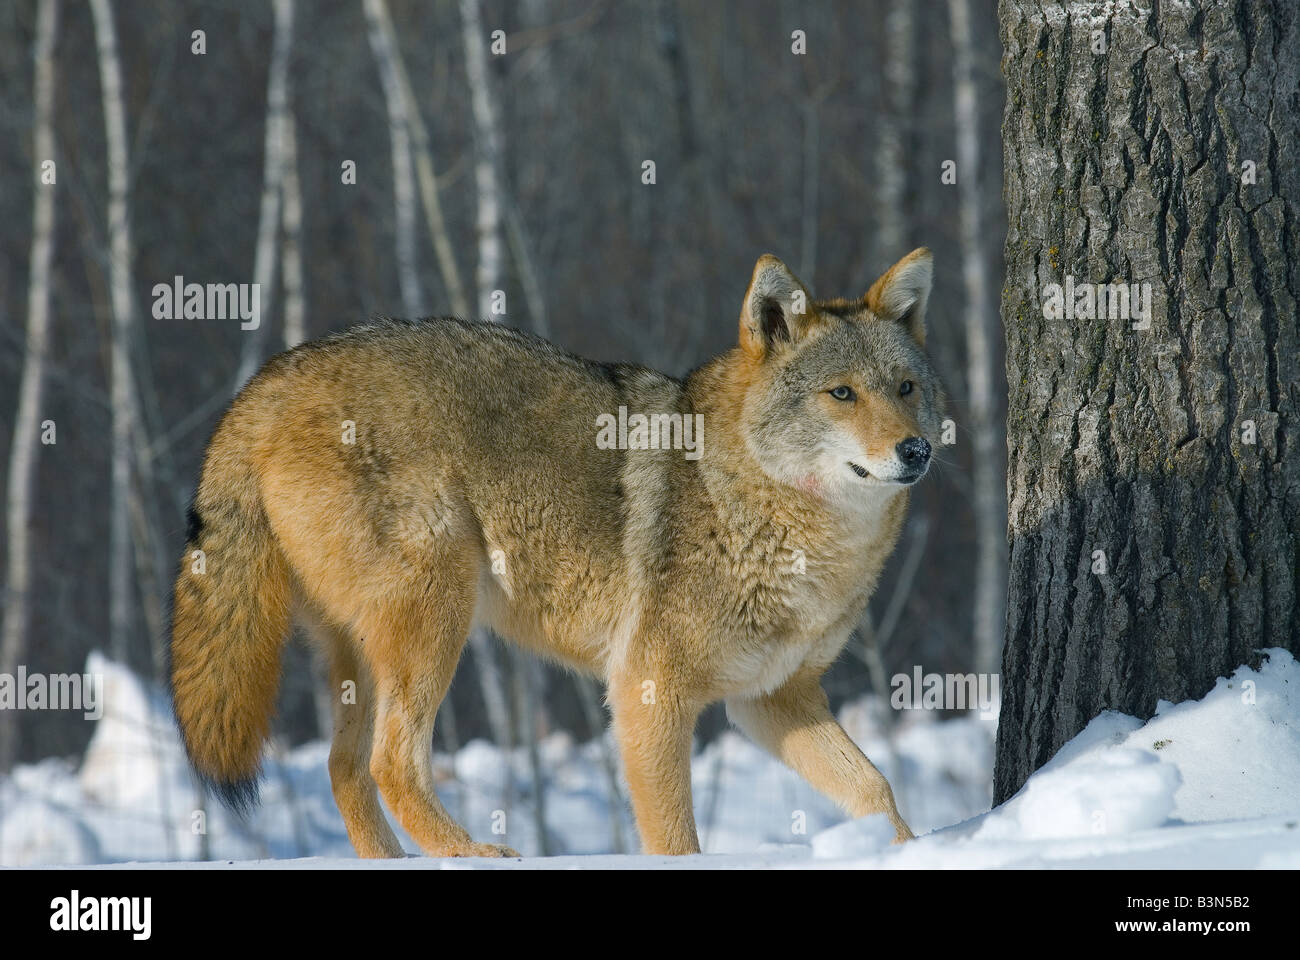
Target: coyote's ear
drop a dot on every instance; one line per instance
(900, 295)
(777, 308)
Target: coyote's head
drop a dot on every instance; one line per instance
(841, 397)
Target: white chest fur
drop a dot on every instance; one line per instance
(823, 594)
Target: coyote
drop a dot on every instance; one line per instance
(395, 484)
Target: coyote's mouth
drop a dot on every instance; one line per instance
(904, 481)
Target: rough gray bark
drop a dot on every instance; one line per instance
(25, 445)
(1128, 165)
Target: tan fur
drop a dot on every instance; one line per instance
(475, 491)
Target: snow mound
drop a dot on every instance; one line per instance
(134, 744)
(1209, 782)
(1115, 790)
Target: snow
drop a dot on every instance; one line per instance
(1208, 783)
(864, 837)
(1113, 791)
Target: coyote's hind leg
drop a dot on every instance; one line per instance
(413, 644)
(355, 791)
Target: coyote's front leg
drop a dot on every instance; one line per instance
(653, 726)
(795, 723)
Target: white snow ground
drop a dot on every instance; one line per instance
(1208, 783)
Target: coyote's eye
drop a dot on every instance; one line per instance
(905, 388)
(842, 393)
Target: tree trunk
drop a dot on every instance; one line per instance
(521, 251)
(893, 140)
(487, 156)
(295, 311)
(427, 179)
(27, 420)
(135, 542)
(121, 391)
(536, 16)
(670, 45)
(1155, 516)
(988, 614)
(268, 220)
(528, 692)
(383, 44)
(810, 174)
(589, 699)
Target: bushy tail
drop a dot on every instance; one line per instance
(229, 622)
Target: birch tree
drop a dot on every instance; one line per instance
(892, 238)
(487, 140)
(295, 322)
(989, 491)
(124, 405)
(810, 222)
(135, 541)
(384, 47)
(1153, 495)
(27, 421)
(487, 157)
(424, 168)
(529, 278)
(268, 220)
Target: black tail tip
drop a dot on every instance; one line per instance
(240, 797)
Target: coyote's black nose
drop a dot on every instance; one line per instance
(914, 452)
